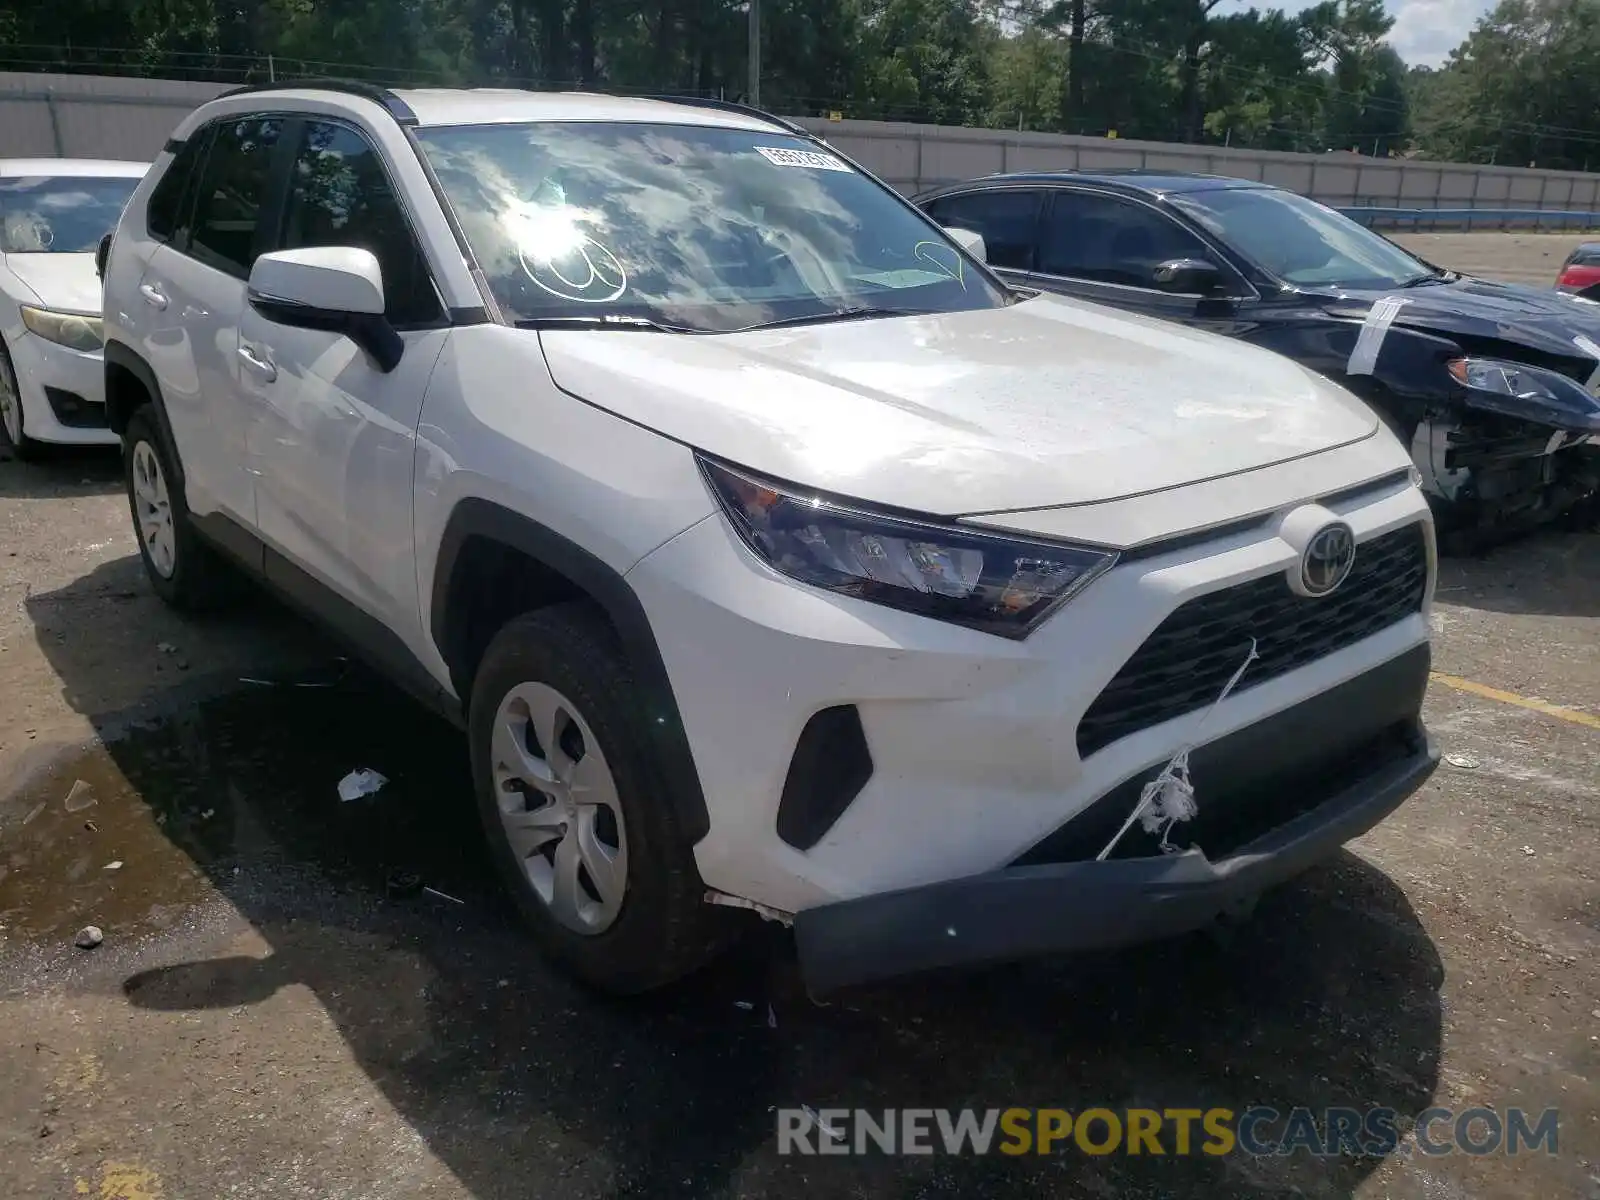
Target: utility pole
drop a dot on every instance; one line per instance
(755, 54)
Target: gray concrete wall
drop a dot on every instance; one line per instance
(913, 157)
(88, 116)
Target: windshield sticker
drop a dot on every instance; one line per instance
(556, 253)
(782, 156)
(942, 259)
(587, 273)
(1373, 330)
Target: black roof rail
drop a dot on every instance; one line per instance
(732, 106)
(397, 108)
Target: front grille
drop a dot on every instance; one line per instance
(1183, 666)
(1239, 801)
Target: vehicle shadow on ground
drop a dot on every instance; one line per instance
(1553, 572)
(61, 471)
(522, 1084)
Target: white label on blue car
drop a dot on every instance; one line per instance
(1587, 345)
(782, 156)
(1373, 330)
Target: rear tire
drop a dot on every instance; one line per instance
(13, 423)
(573, 804)
(182, 568)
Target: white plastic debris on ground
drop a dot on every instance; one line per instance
(79, 797)
(361, 782)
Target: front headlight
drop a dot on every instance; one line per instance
(74, 330)
(984, 581)
(1509, 378)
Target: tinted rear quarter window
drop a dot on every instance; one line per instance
(1007, 220)
(167, 210)
(231, 192)
(340, 195)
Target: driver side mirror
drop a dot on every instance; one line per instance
(1188, 277)
(337, 289)
(969, 241)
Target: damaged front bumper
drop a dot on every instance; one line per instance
(1056, 907)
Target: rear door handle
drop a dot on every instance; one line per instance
(153, 295)
(259, 365)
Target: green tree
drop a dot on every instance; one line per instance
(925, 60)
(1156, 69)
(1258, 85)
(1364, 77)
(1027, 71)
(1523, 88)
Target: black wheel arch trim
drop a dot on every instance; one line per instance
(118, 354)
(476, 518)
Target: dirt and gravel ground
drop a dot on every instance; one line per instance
(1531, 258)
(269, 1017)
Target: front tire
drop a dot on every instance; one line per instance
(182, 569)
(13, 425)
(575, 811)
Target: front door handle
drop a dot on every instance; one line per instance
(153, 295)
(259, 365)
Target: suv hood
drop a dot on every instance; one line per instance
(1047, 402)
(66, 282)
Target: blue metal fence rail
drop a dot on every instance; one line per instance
(1377, 216)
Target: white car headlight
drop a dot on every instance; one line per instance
(78, 331)
(985, 581)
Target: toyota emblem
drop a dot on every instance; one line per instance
(1327, 559)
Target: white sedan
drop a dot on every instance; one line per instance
(53, 213)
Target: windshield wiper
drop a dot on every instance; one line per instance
(620, 321)
(852, 313)
(1432, 277)
(607, 321)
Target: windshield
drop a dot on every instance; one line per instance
(1300, 241)
(61, 214)
(705, 228)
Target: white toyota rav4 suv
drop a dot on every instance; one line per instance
(773, 554)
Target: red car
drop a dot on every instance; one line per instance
(1581, 272)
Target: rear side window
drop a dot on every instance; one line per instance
(231, 192)
(1008, 221)
(167, 210)
(340, 195)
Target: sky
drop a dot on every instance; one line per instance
(1425, 31)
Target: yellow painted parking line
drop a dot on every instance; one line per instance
(1504, 697)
